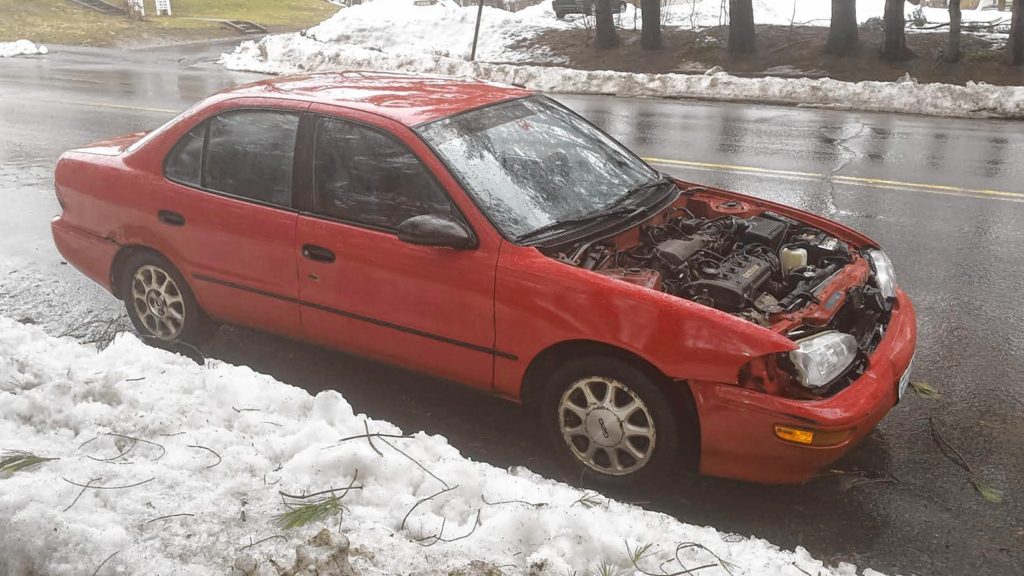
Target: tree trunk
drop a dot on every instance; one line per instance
(604, 24)
(1015, 46)
(650, 32)
(842, 32)
(894, 39)
(741, 26)
(953, 48)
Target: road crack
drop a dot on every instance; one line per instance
(847, 156)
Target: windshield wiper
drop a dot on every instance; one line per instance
(658, 182)
(622, 206)
(573, 222)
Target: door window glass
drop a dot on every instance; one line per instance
(250, 154)
(367, 177)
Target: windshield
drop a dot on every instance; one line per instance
(530, 163)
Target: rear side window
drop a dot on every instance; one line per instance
(366, 177)
(185, 162)
(249, 153)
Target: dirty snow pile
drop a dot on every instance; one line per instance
(165, 466)
(21, 48)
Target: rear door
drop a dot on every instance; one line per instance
(364, 290)
(228, 217)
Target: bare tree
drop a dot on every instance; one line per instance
(741, 27)
(606, 36)
(952, 53)
(842, 31)
(650, 32)
(1015, 46)
(894, 38)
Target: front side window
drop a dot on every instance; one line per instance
(249, 153)
(367, 177)
(530, 163)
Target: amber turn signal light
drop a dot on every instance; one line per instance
(809, 437)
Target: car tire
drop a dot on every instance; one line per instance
(629, 437)
(160, 302)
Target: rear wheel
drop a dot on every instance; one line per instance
(610, 422)
(160, 303)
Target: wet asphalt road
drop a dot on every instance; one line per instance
(957, 242)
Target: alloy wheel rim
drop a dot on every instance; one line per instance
(607, 426)
(158, 302)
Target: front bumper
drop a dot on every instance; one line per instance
(737, 438)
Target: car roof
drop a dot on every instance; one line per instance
(406, 98)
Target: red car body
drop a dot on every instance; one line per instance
(482, 317)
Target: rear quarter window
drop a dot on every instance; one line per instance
(185, 161)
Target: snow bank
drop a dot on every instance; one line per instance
(207, 448)
(442, 29)
(20, 48)
(705, 13)
(293, 53)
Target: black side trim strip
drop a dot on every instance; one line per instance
(212, 280)
(361, 318)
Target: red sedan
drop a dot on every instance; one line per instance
(488, 235)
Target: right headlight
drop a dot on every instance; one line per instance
(822, 358)
(884, 275)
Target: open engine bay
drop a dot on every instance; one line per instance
(764, 267)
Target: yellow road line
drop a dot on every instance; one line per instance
(108, 105)
(731, 167)
(848, 180)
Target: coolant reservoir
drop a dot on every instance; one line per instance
(793, 258)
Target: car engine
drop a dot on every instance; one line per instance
(755, 267)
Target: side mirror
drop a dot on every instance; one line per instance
(435, 230)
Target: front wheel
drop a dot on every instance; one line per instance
(610, 421)
(160, 303)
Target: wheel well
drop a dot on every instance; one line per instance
(117, 266)
(678, 391)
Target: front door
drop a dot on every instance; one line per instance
(361, 288)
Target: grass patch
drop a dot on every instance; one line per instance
(63, 22)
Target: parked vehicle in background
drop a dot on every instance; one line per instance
(489, 235)
(565, 7)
